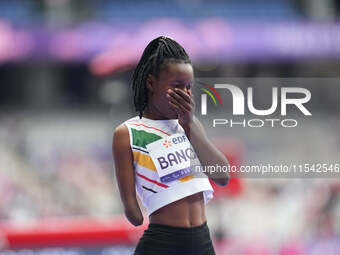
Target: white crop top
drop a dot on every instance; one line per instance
(153, 193)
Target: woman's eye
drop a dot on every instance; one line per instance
(182, 86)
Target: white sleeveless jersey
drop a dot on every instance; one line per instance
(153, 193)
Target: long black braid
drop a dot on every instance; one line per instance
(156, 55)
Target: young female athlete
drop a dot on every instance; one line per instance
(162, 84)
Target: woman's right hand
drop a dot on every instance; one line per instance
(134, 215)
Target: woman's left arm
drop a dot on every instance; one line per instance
(183, 103)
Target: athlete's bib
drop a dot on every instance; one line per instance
(173, 157)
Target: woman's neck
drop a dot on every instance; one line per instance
(153, 114)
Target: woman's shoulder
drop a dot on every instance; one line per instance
(126, 122)
(131, 120)
(121, 132)
(122, 128)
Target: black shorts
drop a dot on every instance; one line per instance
(159, 239)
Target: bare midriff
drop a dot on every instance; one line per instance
(186, 212)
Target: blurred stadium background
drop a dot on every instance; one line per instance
(65, 67)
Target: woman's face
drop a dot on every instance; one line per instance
(174, 75)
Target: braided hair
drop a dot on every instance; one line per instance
(157, 54)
